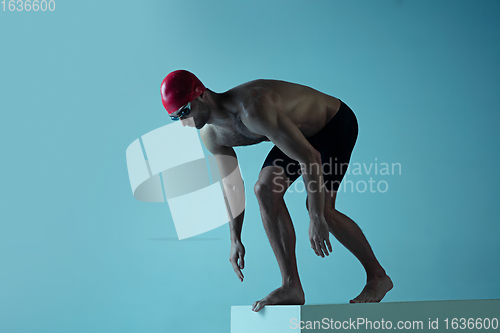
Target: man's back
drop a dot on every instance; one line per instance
(307, 108)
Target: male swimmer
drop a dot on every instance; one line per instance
(310, 130)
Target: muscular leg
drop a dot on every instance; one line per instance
(269, 191)
(347, 232)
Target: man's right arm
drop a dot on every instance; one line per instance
(234, 195)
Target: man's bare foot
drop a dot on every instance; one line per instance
(374, 291)
(281, 296)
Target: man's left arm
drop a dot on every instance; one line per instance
(280, 129)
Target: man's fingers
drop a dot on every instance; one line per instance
(236, 268)
(320, 250)
(313, 247)
(242, 262)
(323, 247)
(238, 272)
(317, 249)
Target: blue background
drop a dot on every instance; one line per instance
(79, 254)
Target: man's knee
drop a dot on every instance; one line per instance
(260, 188)
(270, 185)
(267, 190)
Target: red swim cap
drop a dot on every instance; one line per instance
(179, 88)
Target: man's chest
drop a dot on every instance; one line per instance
(236, 135)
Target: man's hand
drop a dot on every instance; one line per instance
(319, 235)
(236, 258)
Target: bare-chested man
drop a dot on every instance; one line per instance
(309, 129)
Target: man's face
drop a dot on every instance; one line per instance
(188, 121)
(196, 117)
(185, 115)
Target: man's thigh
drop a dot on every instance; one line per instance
(290, 168)
(335, 142)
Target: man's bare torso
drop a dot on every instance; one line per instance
(309, 109)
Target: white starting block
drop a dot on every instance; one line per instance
(425, 316)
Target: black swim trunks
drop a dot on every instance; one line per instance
(335, 142)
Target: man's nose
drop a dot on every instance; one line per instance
(184, 122)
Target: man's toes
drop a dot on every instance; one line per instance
(257, 306)
(361, 298)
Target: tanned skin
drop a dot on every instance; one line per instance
(286, 114)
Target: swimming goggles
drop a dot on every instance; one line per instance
(183, 111)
